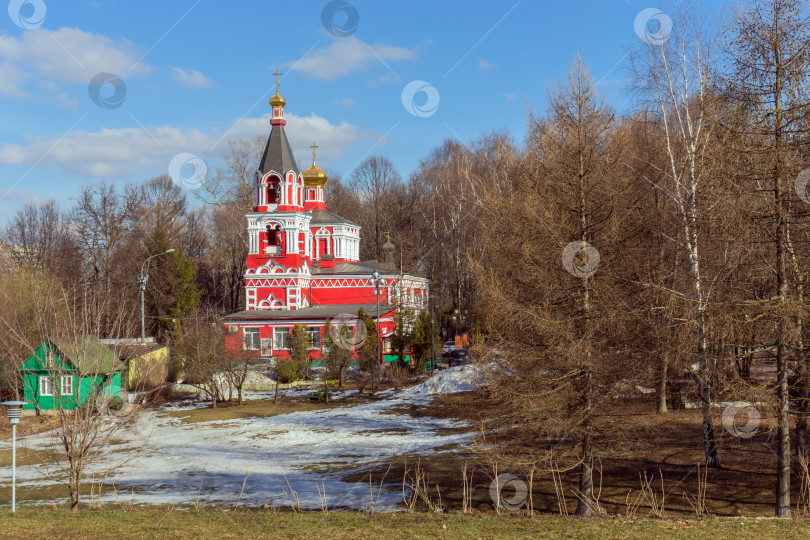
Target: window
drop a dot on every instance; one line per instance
(281, 338)
(66, 385)
(251, 339)
(45, 386)
(273, 235)
(272, 192)
(314, 337)
(387, 346)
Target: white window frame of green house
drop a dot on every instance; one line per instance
(66, 385)
(256, 341)
(314, 338)
(45, 386)
(281, 344)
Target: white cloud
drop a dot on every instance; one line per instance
(191, 78)
(347, 101)
(11, 78)
(53, 92)
(510, 96)
(333, 139)
(116, 152)
(348, 55)
(18, 195)
(483, 64)
(385, 78)
(106, 153)
(66, 54)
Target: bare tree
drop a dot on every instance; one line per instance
(770, 63)
(40, 236)
(558, 335)
(674, 77)
(236, 368)
(102, 217)
(375, 182)
(204, 355)
(82, 377)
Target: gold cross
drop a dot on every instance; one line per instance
(314, 146)
(277, 74)
(388, 236)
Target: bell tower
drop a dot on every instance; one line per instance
(278, 261)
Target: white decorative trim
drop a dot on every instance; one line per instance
(271, 302)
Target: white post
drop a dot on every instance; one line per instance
(13, 468)
(13, 412)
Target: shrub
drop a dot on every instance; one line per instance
(287, 370)
(116, 403)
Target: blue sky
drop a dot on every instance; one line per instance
(198, 73)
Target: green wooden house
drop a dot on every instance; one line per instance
(70, 370)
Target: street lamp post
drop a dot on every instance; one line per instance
(14, 412)
(432, 345)
(378, 282)
(142, 279)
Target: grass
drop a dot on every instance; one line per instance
(150, 522)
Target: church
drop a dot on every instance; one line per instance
(303, 262)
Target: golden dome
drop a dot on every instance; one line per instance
(277, 100)
(314, 176)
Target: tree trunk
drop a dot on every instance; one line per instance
(782, 506)
(74, 483)
(709, 441)
(662, 386)
(585, 504)
(802, 446)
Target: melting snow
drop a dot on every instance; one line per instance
(159, 459)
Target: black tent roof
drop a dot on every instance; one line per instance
(278, 156)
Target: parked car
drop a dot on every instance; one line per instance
(448, 347)
(459, 357)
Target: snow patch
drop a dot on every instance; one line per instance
(160, 459)
(449, 381)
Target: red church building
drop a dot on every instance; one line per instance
(303, 263)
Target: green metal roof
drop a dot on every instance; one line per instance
(87, 354)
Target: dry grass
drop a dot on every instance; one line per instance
(29, 425)
(139, 522)
(251, 409)
(633, 443)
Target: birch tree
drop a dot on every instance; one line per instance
(673, 77)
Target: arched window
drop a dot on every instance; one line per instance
(272, 191)
(273, 235)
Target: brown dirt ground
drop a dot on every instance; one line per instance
(631, 440)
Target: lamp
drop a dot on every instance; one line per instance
(14, 412)
(377, 282)
(142, 279)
